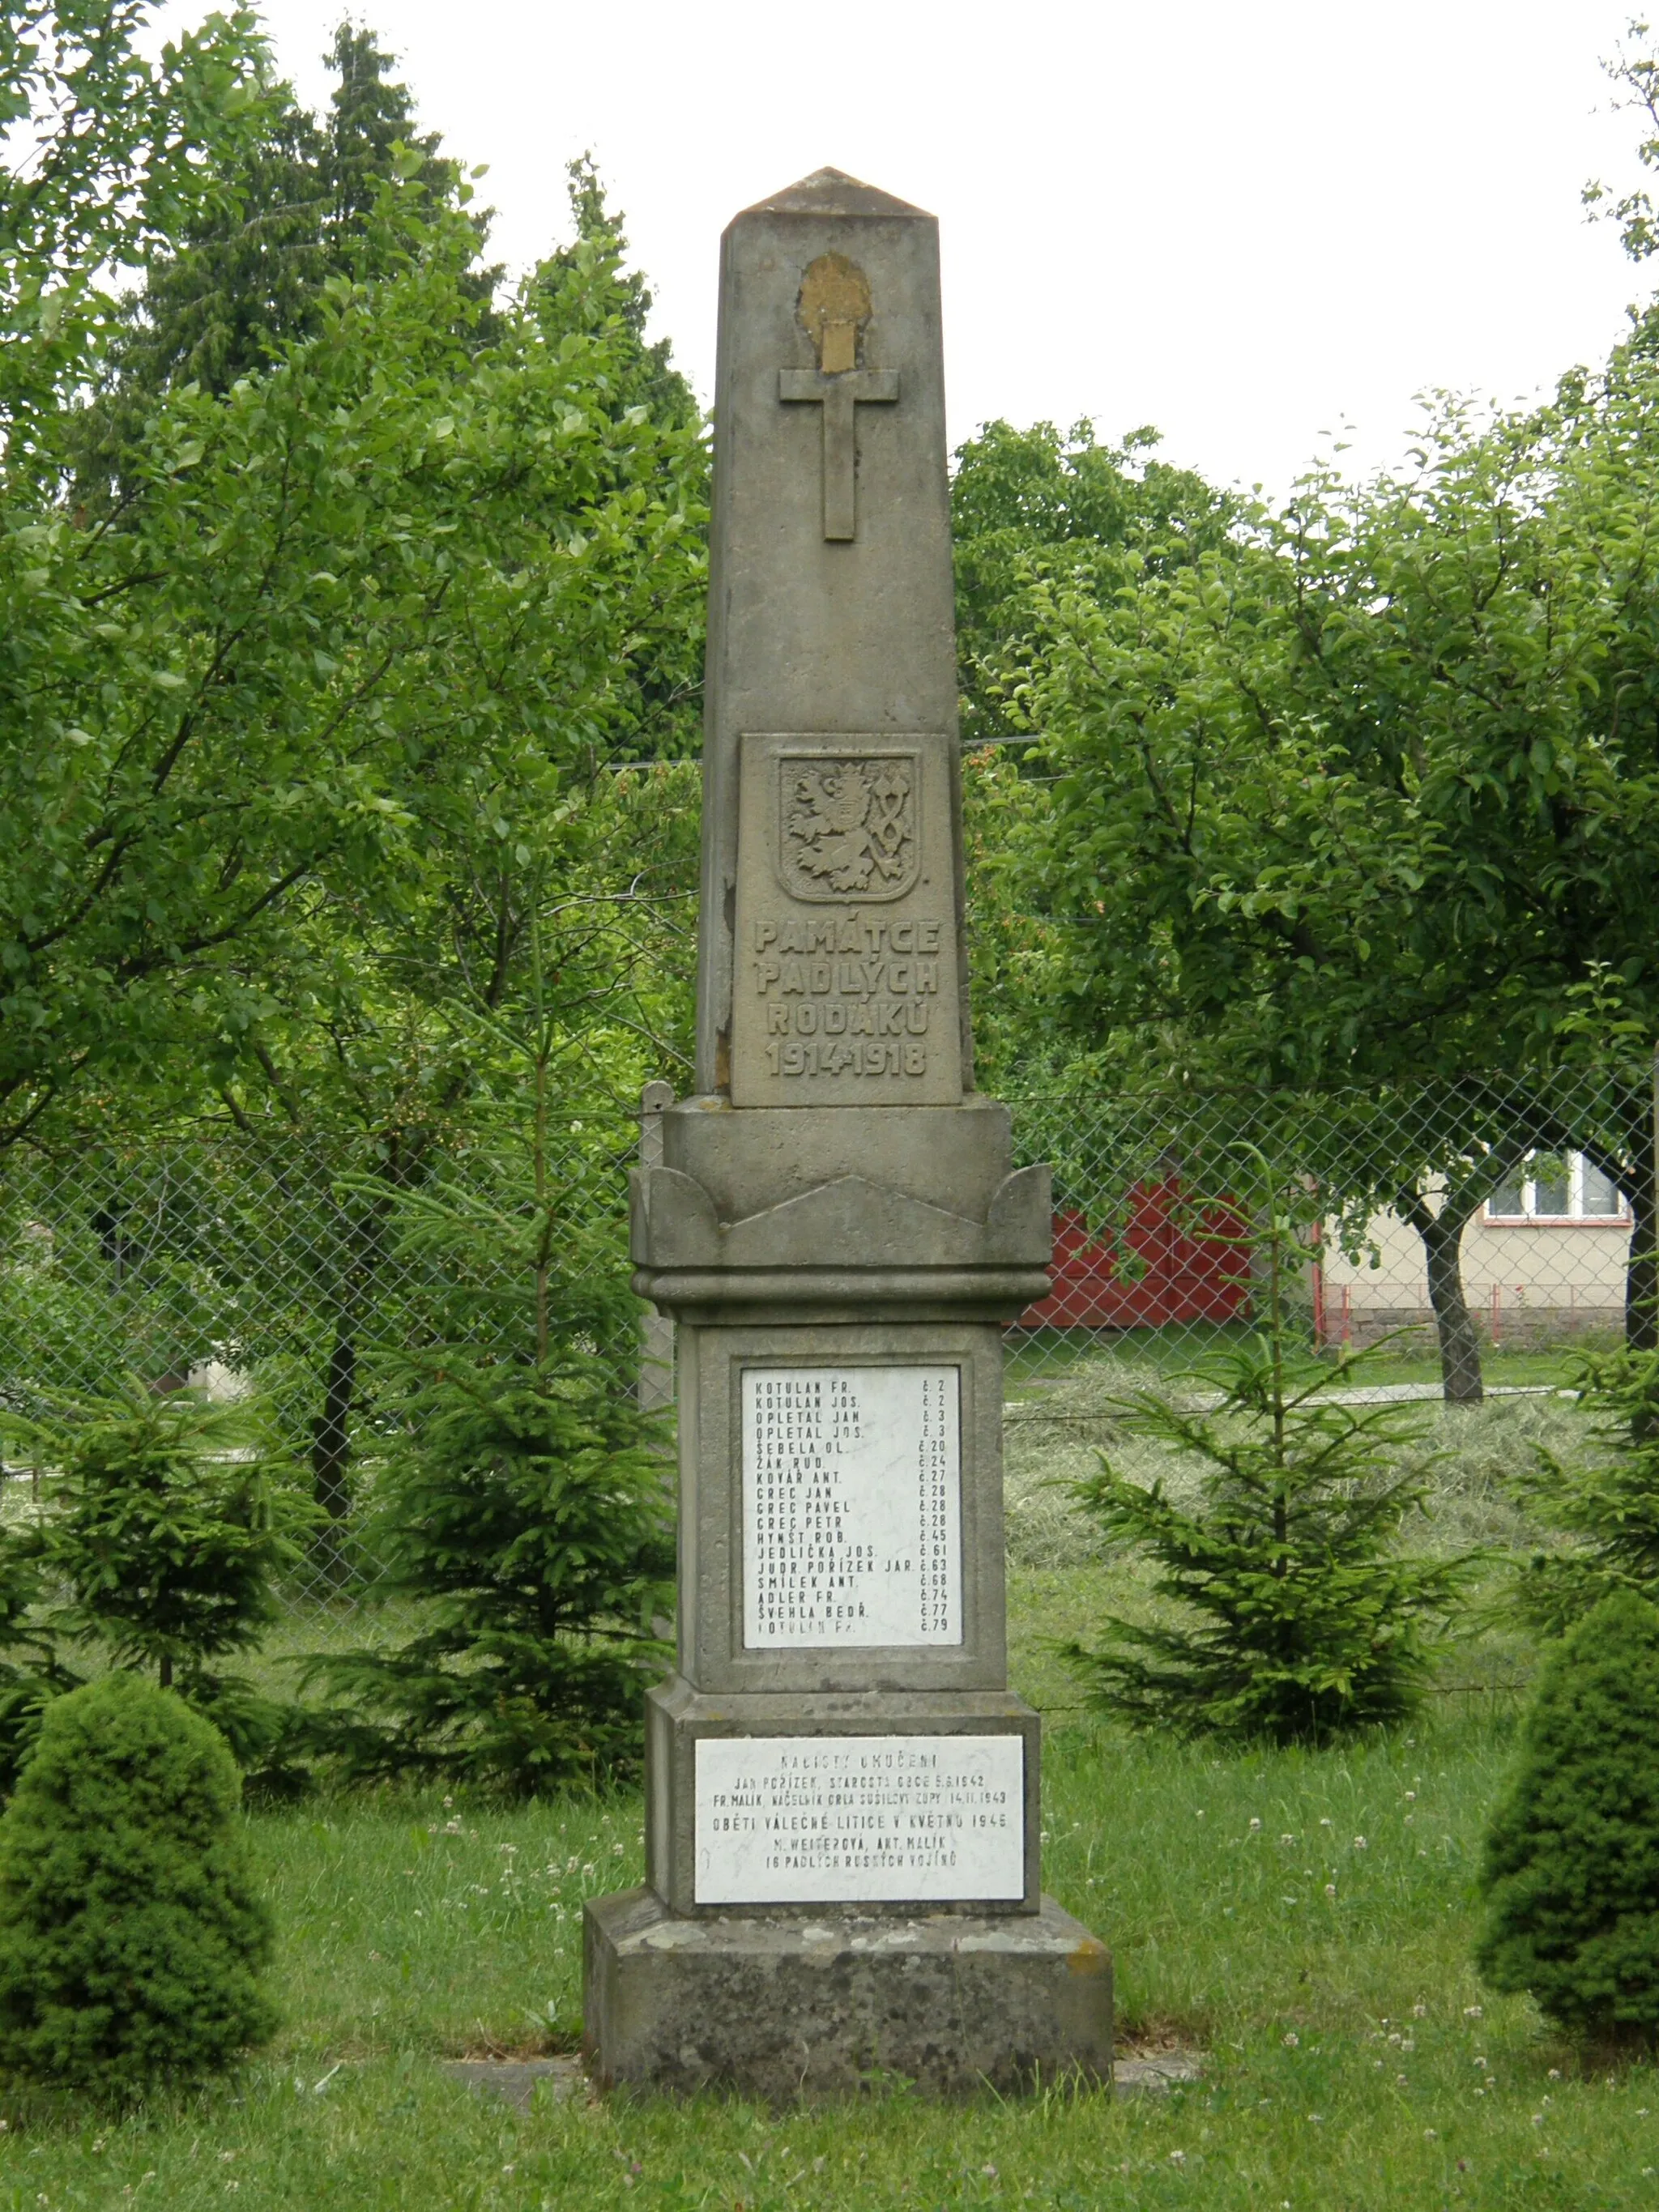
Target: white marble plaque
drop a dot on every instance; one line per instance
(851, 1506)
(826, 1820)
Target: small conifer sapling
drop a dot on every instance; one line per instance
(1292, 1615)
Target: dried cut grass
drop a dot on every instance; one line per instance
(1054, 1436)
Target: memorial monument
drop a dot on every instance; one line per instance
(841, 1795)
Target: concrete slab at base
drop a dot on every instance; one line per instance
(817, 2003)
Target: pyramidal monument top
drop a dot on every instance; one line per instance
(833, 192)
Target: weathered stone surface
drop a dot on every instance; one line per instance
(828, 2002)
(813, 631)
(1155, 2072)
(515, 2080)
(954, 1156)
(845, 983)
(841, 1795)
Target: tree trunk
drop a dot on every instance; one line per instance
(1641, 1269)
(1442, 1242)
(330, 1442)
(1459, 1347)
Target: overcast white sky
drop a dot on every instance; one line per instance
(1247, 222)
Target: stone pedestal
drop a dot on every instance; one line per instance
(830, 2002)
(842, 1814)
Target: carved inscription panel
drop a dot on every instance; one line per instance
(822, 1819)
(845, 974)
(852, 1507)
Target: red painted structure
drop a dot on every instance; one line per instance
(1173, 1260)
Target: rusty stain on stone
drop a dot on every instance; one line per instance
(833, 309)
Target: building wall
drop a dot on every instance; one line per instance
(1523, 1280)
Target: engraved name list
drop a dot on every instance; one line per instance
(851, 1506)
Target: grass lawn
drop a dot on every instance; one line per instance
(1306, 1919)
(1353, 2060)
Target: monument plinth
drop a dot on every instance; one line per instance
(841, 1795)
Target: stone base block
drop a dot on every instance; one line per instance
(825, 2003)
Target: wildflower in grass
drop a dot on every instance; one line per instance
(1292, 2040)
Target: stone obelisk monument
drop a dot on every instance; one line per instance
(841, 1822)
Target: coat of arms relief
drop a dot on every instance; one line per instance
(849, 827)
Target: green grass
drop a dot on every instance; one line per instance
(1328, 1979)
(1354, 2063)
(1344, 2067)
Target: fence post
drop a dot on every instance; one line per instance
(656, 1385)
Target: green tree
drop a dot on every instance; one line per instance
(245, 273)
(1030, 506)
(524, 1499)
(1295, 1618)
(1571, 1871)
(168, 1525)
(133, 1937)
(1606, 1496)
(223, 716)
(123, 153)
(1364, 796)
(31, 1672)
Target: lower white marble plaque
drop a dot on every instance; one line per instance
(829, 1819)
(851, 1506)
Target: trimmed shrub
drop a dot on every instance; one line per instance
(132, 1936)
(1570, 1873)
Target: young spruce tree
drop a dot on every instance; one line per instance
(1294, 1617)
(1607, 1498)
(524, 1500)
(165, 1534)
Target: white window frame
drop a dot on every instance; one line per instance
(1575, 1218)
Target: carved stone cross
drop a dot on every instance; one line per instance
(833, 309)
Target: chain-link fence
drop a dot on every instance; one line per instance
(1476, 1232)
(241, 1266)
(1473, 1230)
